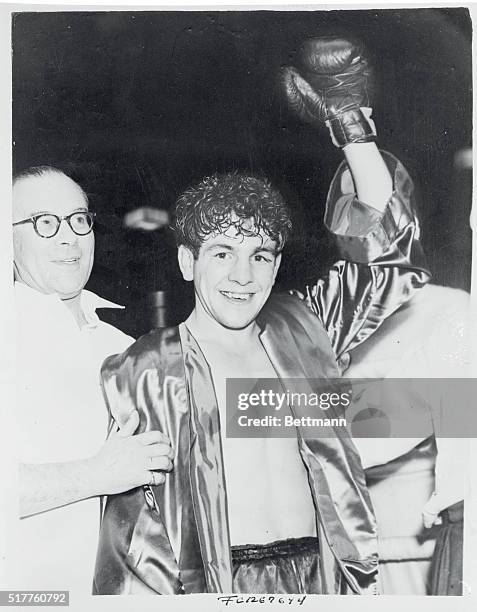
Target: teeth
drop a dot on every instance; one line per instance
(237, 296)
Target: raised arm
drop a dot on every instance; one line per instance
(369, 208)
(372, 180)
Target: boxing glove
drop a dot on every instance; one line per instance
(333, 86)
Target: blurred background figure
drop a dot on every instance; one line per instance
(418, 497)
(429, 338)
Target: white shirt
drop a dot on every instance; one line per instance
(61, 416)
(428, 338)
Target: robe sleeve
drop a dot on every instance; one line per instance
(382, 263)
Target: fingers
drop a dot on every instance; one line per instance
(427, 522)
(153, 437)
(431, 511)
(146, 438)
(160, 450)
(160, 463)
(155, 478)
(130, 426)
(429, 519)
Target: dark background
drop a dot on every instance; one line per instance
(138, 105)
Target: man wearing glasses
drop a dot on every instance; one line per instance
(62, 422)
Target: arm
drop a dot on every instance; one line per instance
(369, 207)
(371, 177)
(381, 265)
(124, 462)
(51, 485)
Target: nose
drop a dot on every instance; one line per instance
(65, 234)
(241, 272)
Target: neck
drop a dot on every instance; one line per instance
(207, 329)
(74, 306)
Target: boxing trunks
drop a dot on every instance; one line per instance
(285, 566)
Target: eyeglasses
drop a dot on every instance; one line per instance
(47, 225)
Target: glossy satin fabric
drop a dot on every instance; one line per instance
(147, 534)
(174, 538)
(288, 566)
(145, 530)
(207, 469)
(383, 262)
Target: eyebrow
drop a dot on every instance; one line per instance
(228, 247)
(271, 250)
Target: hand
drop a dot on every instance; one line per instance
(332, 87)
(127, 461)
(431, 510)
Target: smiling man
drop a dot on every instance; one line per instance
(231, 230)
(56, 257)
(276, 515)
(65, 465)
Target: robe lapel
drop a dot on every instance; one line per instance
(207, 476)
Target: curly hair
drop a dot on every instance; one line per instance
(221, 201)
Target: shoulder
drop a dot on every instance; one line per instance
(429, 309)
(450, 333)
(157, 340)
(160, 349)
(440, 311)
(431, 326)
(148, 376)
(437, 298)
(294, 311)
(289, 307)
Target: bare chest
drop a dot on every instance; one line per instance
(267, 486)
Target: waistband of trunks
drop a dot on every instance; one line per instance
(280, 548)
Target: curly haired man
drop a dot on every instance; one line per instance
(262, 515)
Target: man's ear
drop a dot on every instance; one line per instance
(278, 259)
(186, 262)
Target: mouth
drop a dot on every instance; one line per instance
(237, 297)
(67, 262)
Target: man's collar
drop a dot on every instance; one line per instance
(89, 301)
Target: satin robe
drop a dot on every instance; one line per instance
(174, 538)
